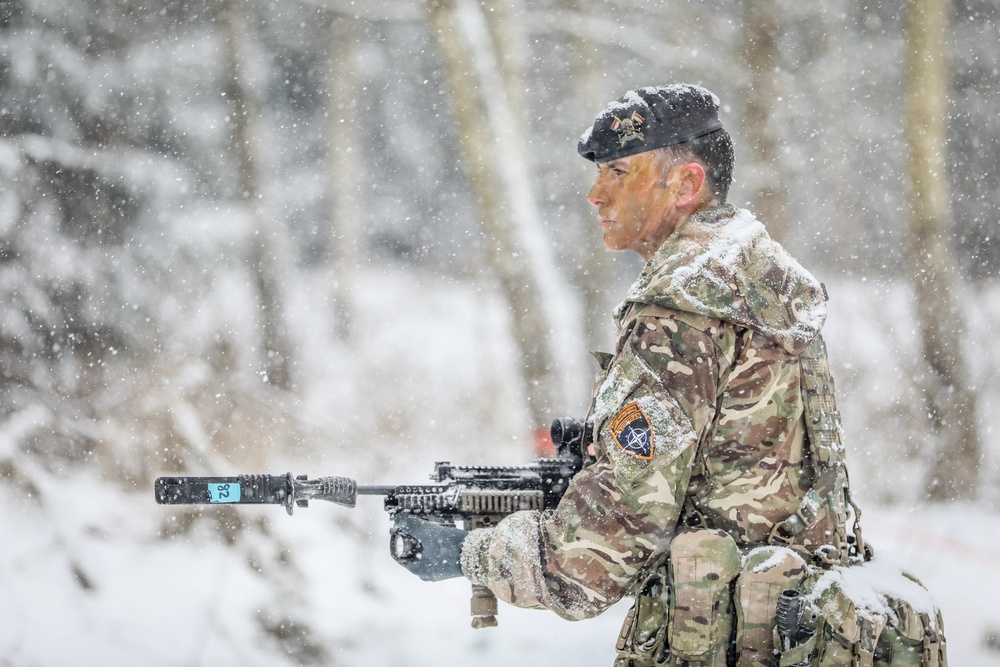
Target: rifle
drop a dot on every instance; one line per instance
(468, 496)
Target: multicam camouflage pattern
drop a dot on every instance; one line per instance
(698, 420)
(702, 566)
(767, 571)
(869, 614)
(689, 592)
(722, 264)
(693, 345)
(593, 546)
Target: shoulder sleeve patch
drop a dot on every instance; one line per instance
(632, 432)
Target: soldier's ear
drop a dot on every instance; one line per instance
(692, 182)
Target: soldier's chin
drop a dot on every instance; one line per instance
(612, 245)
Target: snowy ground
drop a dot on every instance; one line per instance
(96, 582)
(90, 574)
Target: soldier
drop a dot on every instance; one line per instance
(716, 477)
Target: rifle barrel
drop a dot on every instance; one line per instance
(376, 490)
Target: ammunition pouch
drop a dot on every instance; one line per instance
(693, 595)
(703, 565)
(766, 572)
(711, 607)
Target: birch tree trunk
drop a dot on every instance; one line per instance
(506, 26)
(950, 401)
(760, 51)
(493, 157)
(265, 251)
(347, 172)
(595, 262)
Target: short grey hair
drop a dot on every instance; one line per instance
(713, 151)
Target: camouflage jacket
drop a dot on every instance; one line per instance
(698, 413)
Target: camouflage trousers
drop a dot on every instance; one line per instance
(713, 606)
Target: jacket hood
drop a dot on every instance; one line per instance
(721, 263)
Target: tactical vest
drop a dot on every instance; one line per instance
(712, 605)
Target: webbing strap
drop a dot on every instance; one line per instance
(820, 403)
(826, 452)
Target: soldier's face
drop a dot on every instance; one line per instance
(635, 202)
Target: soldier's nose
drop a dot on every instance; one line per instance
(594, 197)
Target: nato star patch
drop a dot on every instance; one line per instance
(632, 432)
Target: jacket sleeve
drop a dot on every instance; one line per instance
(620, 512)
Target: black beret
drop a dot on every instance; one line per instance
(648, 118)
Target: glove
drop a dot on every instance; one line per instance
(429, 550)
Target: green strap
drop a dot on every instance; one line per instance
(814, 506)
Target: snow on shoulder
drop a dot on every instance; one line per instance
(723, 264)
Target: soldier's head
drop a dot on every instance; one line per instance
(662, 154)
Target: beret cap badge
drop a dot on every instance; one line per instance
(629, 129)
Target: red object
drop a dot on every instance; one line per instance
(542, 438)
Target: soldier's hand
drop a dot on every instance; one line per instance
(431, 551)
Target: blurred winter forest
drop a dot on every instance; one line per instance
(351, 237)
